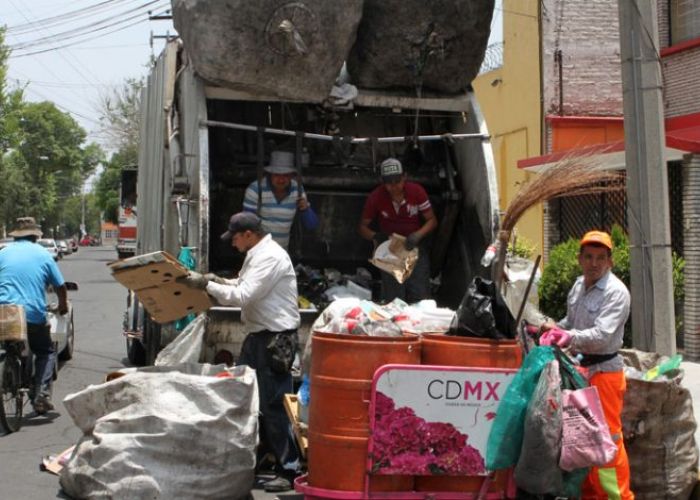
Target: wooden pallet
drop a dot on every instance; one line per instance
(291, 405)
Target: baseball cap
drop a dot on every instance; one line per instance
(391, 170)
(242, 221)
(597, 238)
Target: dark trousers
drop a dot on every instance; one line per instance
(415, 288)
(275, 428)
(42, 347)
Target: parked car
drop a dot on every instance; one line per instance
(63, 248)
(62, 327)
(50, 245)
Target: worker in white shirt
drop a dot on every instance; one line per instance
(266, 292)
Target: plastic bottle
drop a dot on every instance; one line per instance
(490, 254)
(670, 364)
(303, 393)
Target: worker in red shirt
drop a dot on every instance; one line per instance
(402, 207)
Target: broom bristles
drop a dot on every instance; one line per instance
(570, 176)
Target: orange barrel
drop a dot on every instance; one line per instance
(342, 367)
(450, 350)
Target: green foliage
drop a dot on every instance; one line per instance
(521, 247)
(562, 269)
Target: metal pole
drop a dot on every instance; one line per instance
(653, 325)
(324, 137)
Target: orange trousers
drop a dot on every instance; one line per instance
(611, 481)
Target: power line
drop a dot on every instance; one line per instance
(71, 16)
(70, 44)
(88, 29)
(77, 70)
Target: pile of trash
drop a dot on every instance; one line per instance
(321, 287)
(363, 317)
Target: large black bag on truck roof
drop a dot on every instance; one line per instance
(288, 50)
(440, 43)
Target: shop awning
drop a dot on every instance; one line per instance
(682, 136)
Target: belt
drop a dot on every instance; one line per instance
(262, 332)
(594, 359)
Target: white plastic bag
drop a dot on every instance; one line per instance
(187, 346)
(165, 432)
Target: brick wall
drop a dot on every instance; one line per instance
(586, 32)
(682, 83)
(681, 70)
(662, 14)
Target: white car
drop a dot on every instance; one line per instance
(62, 327)
(63, 248)
(50, 245)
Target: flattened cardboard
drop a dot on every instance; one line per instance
(152, 276)
(143, 271)
(172, 301)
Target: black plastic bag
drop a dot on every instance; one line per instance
(483, 313)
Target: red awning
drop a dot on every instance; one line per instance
(682, 136)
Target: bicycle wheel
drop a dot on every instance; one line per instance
(12, 396)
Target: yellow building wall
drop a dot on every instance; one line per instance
(510, 101)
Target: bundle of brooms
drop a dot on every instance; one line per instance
(570, 176)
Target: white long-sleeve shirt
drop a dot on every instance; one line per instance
(265, 290)
(596, 319)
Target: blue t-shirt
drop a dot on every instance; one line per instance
(26, 269)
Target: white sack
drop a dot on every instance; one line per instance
(165, 432)
(187, 346)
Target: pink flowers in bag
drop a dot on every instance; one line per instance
(586, 438)
(406, 444)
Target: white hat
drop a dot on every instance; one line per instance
(281, 162)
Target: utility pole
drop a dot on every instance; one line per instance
(653, 324)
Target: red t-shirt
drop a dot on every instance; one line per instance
(403, 219)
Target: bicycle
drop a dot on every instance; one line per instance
(15, 384)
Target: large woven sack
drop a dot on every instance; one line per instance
(282, 49)
(439, 44)
(165, 432)
(659, 431)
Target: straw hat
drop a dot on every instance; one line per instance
(26, 226)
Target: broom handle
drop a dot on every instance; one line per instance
(500, 260)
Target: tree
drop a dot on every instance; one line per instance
(120, 113)
(120, 118)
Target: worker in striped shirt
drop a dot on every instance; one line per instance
(278, 197)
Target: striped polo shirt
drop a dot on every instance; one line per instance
(277, 217)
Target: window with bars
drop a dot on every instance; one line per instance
(684, 20)
(576, 215)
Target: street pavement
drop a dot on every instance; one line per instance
(100, 349)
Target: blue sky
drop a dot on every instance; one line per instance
(73, 51)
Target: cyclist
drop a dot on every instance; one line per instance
(26, 269)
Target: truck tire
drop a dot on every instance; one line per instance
(151, 340)
(135, 352)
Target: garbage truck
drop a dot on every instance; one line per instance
(309, 78)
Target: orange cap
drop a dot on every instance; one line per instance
(597, 238)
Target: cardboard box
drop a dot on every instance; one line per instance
(13, 323)
(153, 277)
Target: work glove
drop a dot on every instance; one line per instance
(412, 241)
(380, 237)
(194, 280)
(556, 336)
(216, 279)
